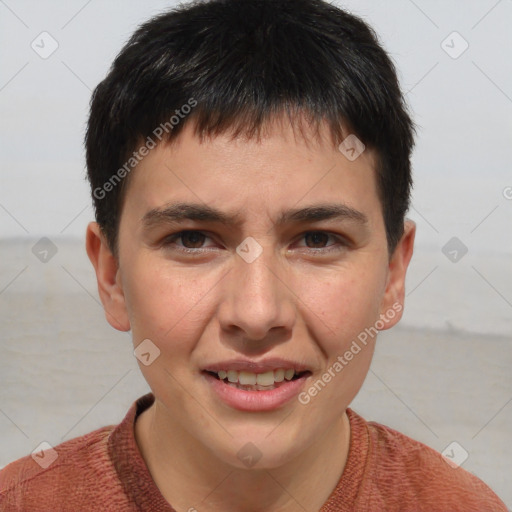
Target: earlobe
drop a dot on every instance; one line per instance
(109, 286)
(394, 295)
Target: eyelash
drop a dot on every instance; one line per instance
(170, 240)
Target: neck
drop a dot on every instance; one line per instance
(190, 477)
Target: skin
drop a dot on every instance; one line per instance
(297, 300)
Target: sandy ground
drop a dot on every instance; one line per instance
(64, 371)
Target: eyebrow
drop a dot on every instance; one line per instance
(180, 212)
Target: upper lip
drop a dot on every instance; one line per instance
(263, 366)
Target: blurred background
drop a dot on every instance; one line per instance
(442, 375)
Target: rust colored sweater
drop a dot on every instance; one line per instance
(104, 470)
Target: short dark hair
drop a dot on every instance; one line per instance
(236, 64)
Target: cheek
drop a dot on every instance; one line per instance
(341, 311)
(342, 304)
(165, 304)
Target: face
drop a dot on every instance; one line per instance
(253, 256)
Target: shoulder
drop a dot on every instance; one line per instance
(56, 474)
(418, 475)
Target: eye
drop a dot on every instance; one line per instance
(318, 240)
(191, 241)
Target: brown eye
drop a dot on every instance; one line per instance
(192, 239)
(188, 241)
(322, 243)
(317, 238)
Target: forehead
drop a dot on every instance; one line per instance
(283, 168)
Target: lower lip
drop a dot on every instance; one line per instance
(256, 400)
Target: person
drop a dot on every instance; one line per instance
(249, 164)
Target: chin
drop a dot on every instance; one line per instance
(257, 453)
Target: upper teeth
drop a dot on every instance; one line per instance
(262, 379)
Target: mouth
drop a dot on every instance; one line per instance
(252, 386)
(264, 381)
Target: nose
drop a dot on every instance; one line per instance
(257, 299)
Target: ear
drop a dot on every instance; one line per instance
(107, 275)
(394, 296)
